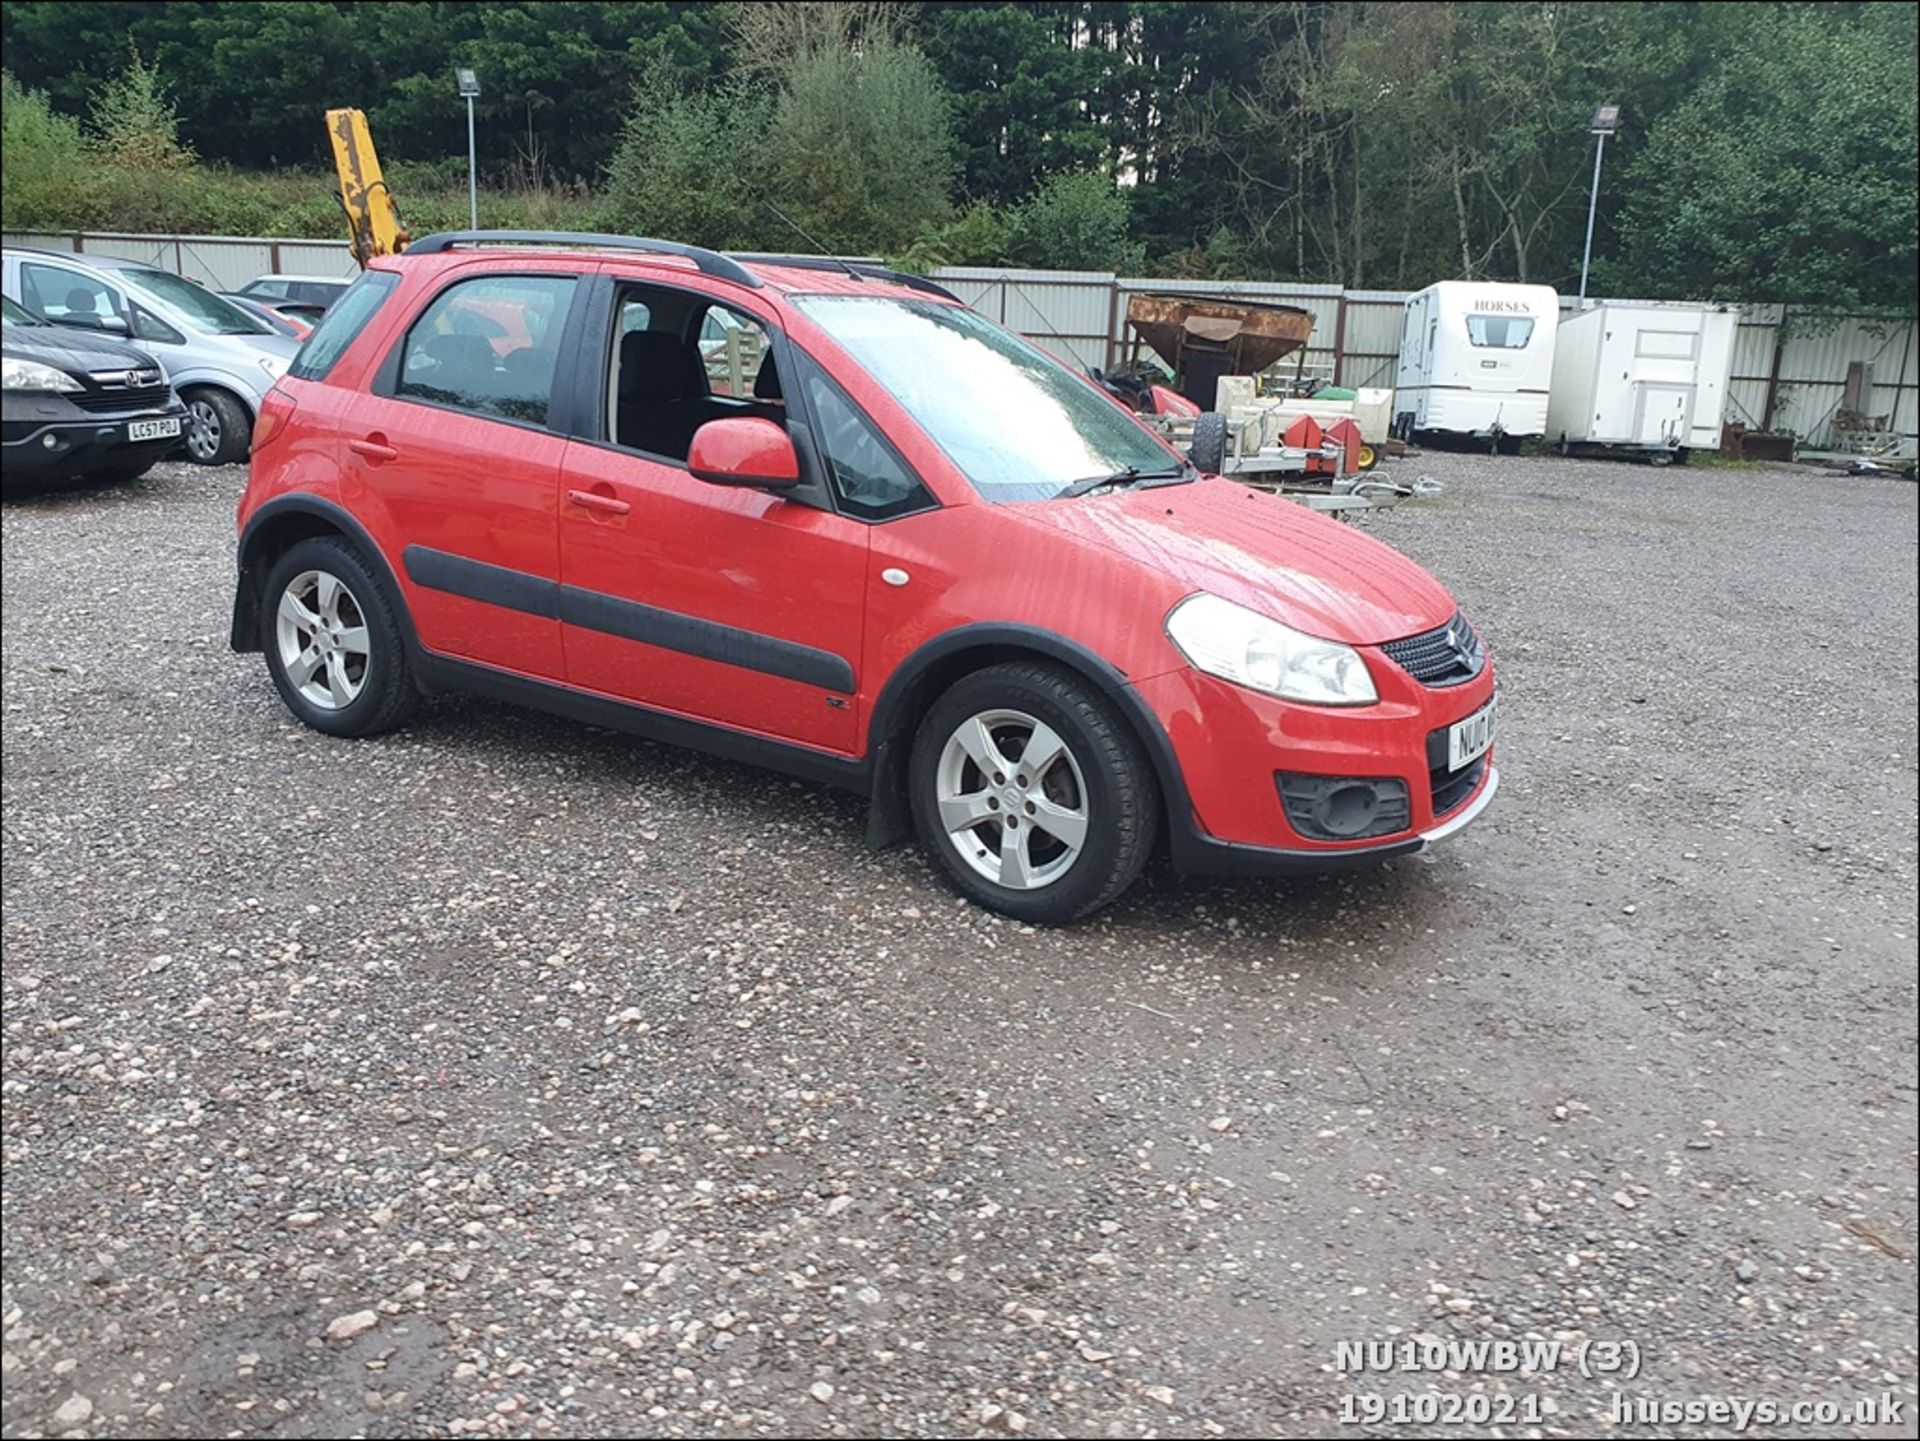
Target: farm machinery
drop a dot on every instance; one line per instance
(1234, 415)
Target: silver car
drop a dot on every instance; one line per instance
(222, 360)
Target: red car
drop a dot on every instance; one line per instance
(922, 559)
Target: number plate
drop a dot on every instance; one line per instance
(153, 429)
(1468, 740)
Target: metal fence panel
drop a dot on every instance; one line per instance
(1356, 337)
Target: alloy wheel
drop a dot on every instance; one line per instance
(1012, 799)
(322, 636)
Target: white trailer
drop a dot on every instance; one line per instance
(1476, 360)
(1649, 378)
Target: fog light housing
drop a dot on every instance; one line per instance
(1344, 808)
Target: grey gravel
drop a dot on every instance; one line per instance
(628, 1093)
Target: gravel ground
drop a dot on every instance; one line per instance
(509, 1077)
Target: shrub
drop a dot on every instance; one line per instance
(1076, 221)
(50, 185)
(135, 123)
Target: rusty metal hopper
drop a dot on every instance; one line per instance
(1249, 336)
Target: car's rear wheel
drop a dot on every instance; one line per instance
(332, 641)
(219, 430)
(1032, 793)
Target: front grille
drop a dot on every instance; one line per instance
(1446, 655)
(1450, 788)
(123, 397)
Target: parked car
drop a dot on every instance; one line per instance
(80, 405)
(282, 321)
(920, 559)
(314, 290)
(222, 360)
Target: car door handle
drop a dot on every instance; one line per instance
(377, 451)
(605, 504)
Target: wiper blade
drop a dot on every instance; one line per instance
(1127, 476)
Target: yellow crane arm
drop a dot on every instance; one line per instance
(373, 224)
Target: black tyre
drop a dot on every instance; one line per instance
(219, 429)
(1032, 793)
(1209, 449)
(333, 641)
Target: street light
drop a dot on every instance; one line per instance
(1606, 120)
(469, 84)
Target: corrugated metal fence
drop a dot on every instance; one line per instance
(1789, 372)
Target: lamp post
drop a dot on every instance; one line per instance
(1606, 120)
(470, 88)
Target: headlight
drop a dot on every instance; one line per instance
(17, 374)
(1242, 646)
(274, 365)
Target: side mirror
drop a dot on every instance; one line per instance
(744, 450)
(115, 325)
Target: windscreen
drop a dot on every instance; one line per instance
(202, 309)
(1020, 425)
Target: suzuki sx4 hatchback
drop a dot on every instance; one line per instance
(829, 519)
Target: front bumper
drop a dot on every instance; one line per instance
(48, 438)
(1228, 745)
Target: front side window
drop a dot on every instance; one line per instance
(1500, 332)
(868, 479)
(1015, 421)
(488, 345)
(338, 328)
(66, 297)
(200, 307)
(679, 361)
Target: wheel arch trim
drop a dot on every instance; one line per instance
(253, 561)
(905, 699)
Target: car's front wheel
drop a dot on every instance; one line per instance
(219, 430)
(1032, 793)
(332, 641)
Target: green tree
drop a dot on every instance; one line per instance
(860, 147)
(693, 165)
(1789, 173)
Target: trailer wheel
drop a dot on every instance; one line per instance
(1368, 457)
(1208, 452)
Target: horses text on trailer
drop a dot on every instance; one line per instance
(1651, 378)
(1476, 360)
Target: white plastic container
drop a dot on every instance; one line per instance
(1476, 360)
(1642, 377)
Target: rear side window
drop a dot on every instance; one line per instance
(488, 345)
(313, 292)
(55, 293)
(337, 329)
(272, 289)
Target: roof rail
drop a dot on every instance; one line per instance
(858, 267)
(709, 262)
